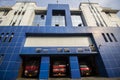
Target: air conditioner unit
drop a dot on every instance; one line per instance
(66, 50)
(38, 50)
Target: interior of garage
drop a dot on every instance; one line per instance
(59, 67)
(89, 63)
(29, 67)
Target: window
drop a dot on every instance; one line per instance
(39, 19)
(114, 37)
(108, 13)
(109, 37)
(23, 12)
(1, 36)
(11, 36)
(6, 37)
(76, 19)
(5, 13)
(58, 18)
(15, 12)
(104, 37)
(13, 24)
(19, 13)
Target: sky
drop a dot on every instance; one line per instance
(114, 4)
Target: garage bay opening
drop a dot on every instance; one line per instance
(88, 66)
(59, 67)
(29, 67)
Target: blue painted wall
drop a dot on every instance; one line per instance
(108, 56)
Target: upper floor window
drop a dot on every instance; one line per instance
(76, 19)
(108, 13)
(4, 12)
(58, 18)
(109, 37)
(39, 19)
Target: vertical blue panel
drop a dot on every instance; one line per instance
(101, 67)
(49, 16)
(58, 7)
(74, 66)
(44, 68)
(11, 75)
(2, 75)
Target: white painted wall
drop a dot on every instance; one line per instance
(88, 15)
(29, 14)
(29, 8)
(99, 15)
(20, 20)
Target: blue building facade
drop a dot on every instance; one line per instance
(13, 52)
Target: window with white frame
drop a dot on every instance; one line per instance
(76, 18)
(58, 18)
(39, 19)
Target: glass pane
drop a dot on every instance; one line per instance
(76, 20)
(39, 20)
(58, 18)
